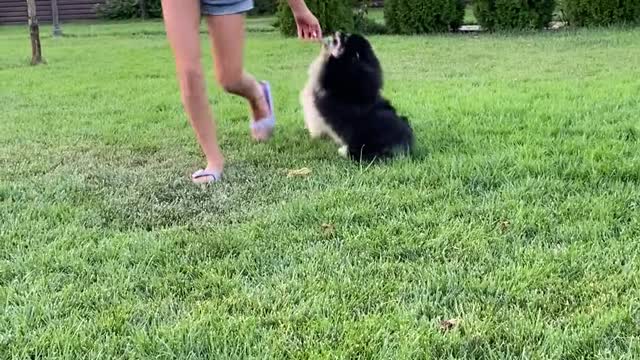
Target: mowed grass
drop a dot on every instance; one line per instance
(518, 217)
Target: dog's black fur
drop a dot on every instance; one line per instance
(351, 104)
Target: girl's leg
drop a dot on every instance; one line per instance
(182, 21)
(227, 34)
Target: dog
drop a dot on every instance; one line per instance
(342, 100)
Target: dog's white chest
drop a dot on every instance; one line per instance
(314, 121)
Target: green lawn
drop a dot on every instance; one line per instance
(518, 217)
(469, 17)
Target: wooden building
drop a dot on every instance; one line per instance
(15, 11)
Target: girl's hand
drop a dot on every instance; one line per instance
(308, 26)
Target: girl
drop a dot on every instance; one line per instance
(225, 22)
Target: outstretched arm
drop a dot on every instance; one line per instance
(308, 25)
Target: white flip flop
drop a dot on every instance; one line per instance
(266, 124)
(199, 176)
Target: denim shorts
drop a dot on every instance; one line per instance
(225, 7)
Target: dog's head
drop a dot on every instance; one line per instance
(351, 67)
(349, 47)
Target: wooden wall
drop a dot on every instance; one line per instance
(15, 11)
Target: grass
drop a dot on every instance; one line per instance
(469, 16)
(518, 216)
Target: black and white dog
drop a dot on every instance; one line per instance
(342, 99)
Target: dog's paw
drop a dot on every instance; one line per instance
(315, 134)
(343, 151)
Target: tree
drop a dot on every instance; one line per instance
(57, 31)
(34, 30)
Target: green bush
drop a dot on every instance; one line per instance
(334, 15)
(423, 16)
(513, 14)
(600, 12)
(128, 9)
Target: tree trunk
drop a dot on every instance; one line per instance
(34, 30)
(57, 31)
(143, 9)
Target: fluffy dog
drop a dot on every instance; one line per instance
(342, 99)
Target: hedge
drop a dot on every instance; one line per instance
(128, 9)
(423, 16)
(513, 14)
(600, 12)
(334, 15)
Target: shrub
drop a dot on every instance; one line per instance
(334, 15)
(423, 16)
(128, 9)
(600, 12)
(513, 14)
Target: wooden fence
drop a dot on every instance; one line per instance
(15, 11)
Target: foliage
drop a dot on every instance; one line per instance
(600, 12)
(423, 16)
(513, 14)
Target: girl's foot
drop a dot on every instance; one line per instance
(204, 176)
(263, 124)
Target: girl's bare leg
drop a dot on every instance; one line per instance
(182, 20)
(227, 35)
